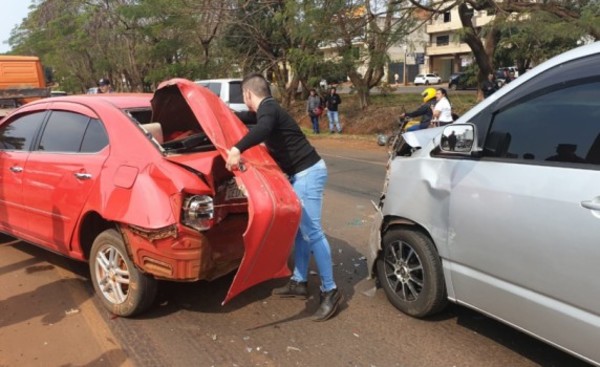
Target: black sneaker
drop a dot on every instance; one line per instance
(330, 302)
(292, 289)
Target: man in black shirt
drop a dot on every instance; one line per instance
(332, 101)
(489, 86)
(307, 173)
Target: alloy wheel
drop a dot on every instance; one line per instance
(404, 271)
(112, 274)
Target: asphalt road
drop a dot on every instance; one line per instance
(189, 327)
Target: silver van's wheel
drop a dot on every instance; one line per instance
(410, 272)
(123, 289)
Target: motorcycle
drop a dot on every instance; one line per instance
(401, 125)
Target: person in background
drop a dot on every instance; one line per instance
(452, 139)
(489, 86)
(315, 109)
(425, 110)
(442, 112)
(307, 173)
(104, 86)
(332, 101)
(507, 77)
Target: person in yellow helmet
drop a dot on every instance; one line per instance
(425, 110)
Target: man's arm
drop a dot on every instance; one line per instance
(424, 109)
(264, 126)
(247, 117)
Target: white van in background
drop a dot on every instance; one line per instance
(229, 90)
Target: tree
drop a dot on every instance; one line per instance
(135, 43)
(279, 38)
(363, 35)
(484, 41)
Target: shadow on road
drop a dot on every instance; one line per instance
(113, 357)
(29, 305)
(41, 301)
(529, 347)
(206, 297)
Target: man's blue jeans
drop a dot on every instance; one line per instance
(334, 121)
(309, 185)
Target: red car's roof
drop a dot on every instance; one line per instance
(119, 100)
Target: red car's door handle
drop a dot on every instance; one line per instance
(16, 169)
(82, 176)
(592, 205)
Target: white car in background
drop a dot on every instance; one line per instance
(229, 90)
(427, 79)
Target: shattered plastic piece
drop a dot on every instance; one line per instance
(356, 335)
(214, 337)
(340, 251)
(72, 311)
(249, 350)
(362, 258)
(289, 349)
(246, 338)
(312, 272)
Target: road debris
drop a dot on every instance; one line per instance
(72, 311)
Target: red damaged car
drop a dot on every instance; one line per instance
(136, 185)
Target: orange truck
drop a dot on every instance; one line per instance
(22, 80)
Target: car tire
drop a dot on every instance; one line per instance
(427, 82)
(410, 272)
(123, 289)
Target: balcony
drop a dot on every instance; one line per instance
(448, 49)
(448, 27)
(455, 24)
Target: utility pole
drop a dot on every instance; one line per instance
(404, 67)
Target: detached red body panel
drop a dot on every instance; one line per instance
(273, 208)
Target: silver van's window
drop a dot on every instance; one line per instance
(562, 125)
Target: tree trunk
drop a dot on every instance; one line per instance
(484, 54)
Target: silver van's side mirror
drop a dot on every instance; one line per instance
(459, 138)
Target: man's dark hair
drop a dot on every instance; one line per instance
(257, 84)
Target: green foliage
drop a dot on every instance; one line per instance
(138, 43)
(536, 37)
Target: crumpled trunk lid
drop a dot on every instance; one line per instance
(273, 208)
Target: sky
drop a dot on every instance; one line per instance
(13, 12)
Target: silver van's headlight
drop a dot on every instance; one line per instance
(198, 212)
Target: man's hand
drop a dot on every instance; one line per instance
(233, 158)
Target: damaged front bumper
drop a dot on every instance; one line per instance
(374, 241)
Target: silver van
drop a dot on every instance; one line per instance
(500, 211)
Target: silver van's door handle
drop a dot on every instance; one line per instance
(16, 169)
(83, 176)
(589, 204)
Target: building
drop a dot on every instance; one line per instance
(445, 53)
(407, 55)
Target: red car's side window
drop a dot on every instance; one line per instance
(19, 133)
(72, 133)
